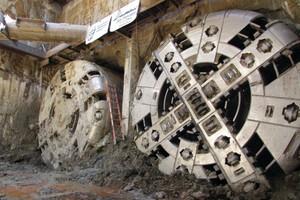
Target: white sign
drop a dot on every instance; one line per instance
(124, 16)
(97, 30)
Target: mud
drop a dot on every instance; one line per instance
(119, 172)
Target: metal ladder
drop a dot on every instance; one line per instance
(114, 111)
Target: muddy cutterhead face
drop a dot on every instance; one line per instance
(74, 113)
(221, 100)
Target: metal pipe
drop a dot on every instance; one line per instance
(38, 30)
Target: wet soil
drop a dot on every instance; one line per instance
(118, 172)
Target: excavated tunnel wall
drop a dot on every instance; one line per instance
(20, 98)
(22, 82)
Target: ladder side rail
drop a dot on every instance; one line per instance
(119, 113)
(108, 96)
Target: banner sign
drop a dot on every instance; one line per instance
(97, 30)
(124, 16)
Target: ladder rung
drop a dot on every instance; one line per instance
(114, 109)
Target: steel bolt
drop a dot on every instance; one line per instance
(264, 45)
(155, 136)
(139, 94)
(291, 112)
(169, 56)
(208, 47)
(195, 22)
(232, 158)
(247, 60)
(175, 67)
(212, 30)
(186, 154)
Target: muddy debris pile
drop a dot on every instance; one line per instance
(118, 172)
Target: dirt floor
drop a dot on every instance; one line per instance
(118, 172)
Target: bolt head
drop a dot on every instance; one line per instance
(186, 154)
(155, 136)
(212, 30)
(208, 47)
(264, 45)
(139, 94)
(291, 112)
(232, 159)
(247, 60)
(169, 56)
(175, 67)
